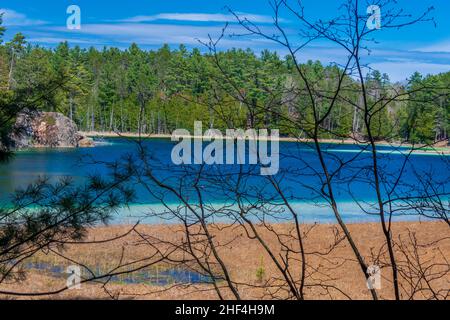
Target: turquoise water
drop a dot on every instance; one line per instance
(299, 177)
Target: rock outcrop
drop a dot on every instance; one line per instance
(85, 142)
(46, 129)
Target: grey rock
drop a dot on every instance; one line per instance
(44, 129)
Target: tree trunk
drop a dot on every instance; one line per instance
(11, 67)
(111, 118)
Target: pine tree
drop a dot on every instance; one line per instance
(15, 48)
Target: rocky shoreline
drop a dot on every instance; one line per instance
(36, 129)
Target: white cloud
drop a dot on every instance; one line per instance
(154, 34)
(13, 18)
(200, 17)
(56, 40)
(399, 71)
(438, 47)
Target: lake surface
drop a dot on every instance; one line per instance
(299, 176)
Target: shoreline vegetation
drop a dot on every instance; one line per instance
(160, 90)
(441, 147)
(60, 232)
(244, 257)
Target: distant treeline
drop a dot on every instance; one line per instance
(158, 91)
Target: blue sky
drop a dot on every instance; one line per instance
(150, 23)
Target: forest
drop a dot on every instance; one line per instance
(158, 91)
(335, 222)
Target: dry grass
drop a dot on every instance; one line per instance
(245, 259)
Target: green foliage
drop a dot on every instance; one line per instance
(261, 271)
(426, 118)
(2, 29)
(158, 91)
(49, 120)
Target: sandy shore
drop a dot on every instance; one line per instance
(336, 271)
(441, 147)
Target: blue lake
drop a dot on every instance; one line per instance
(300, 177)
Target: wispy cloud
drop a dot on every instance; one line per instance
(55, 40)
(13, 18)
(399, 71)
(153, 34)
(200, 17)
(438, 47)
